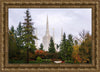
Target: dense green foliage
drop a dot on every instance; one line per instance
(41, 47)
(39, 59)
(12, 43)
(22, 47)
(70, 44)
(66, 47)
(85, 49)
(51, 46)
(19, 41)
(63, 48)
(22, 40)
(28, 36)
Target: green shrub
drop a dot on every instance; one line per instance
(77, 62)
(69, 61)
(51, 56)
(42, 61)
(46, 60)
(35, 62)
(39, 59)
(16, 61)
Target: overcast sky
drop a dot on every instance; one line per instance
(71, 20)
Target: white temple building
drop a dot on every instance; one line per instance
(46, 38)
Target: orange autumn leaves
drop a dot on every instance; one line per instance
(75, 54)
(39, 52)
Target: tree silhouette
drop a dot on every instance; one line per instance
(41, 47)
(28, 36)
(51, 46)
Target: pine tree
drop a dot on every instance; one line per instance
(13, 31)
(41, 47)
(19, 37)
(19, 30)
(28, 34)
(76, 42)
(51, 46)
(70, 44)
(66, 47)
(63, 48)
(12, 43)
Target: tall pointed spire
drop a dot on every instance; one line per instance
(46, 38)
(47, 26)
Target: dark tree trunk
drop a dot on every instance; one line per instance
(27, 55)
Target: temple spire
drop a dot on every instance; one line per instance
(47, 27)
(46, 38)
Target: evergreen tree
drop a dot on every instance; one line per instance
(13, 31)
(41, 47)
(19, 36)
(19, 30)
(63, 48)
(51, 46)
(76, 42)
(70, 44)
(57, 46)
(12, 43)
(28, 34)
(66, 47)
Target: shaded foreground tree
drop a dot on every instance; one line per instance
(66, 48)
(19, 30)
(63, 48)
(70, 44)
(12, 43)
(85, 49)
(19, 37)
(28, 36)
(41, 47)
(51, 46)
